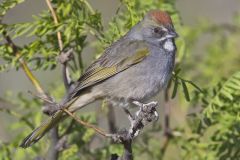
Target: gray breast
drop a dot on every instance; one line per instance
(143, 80)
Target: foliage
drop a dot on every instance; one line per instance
(214, 131)
(211, 127)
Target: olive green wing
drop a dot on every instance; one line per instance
(109, 64)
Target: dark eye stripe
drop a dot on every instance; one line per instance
(159, 31)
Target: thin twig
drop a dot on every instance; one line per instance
(128, 155)
(53, 152)
(147, 113)
(175, 75)
(7, 107)
(98, 130)
(24, 66)
(45, 99)
(65, 71)
(65, 74)
(59, 36)
(164, 147)
(167, 129)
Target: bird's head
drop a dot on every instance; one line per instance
(156, 26)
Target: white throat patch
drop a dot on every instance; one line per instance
(168, 45)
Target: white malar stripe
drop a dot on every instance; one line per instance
(168, 45)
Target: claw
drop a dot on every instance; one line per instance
(154, 103)
(130, 116)
(137, 103)
(147, 111)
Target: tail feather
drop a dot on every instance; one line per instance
(39, 132)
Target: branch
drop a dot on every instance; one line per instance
(53, 151)
(7, 107)
(50, 105)
(24, 66)
(65, 71)
(167, 129)
(53, 154)
(59, 36)
(66, 80)
(98, 130)
(146, 114)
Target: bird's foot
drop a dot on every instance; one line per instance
(147, 111)
(52, 108)
(50, 105)
(130, 116)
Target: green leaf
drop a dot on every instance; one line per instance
(7, 5)
(175, 88)
(185, 90)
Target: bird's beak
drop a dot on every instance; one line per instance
(172, 34)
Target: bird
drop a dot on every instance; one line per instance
(132, 69)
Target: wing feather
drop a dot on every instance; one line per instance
(108, 65)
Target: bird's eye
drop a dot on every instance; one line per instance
(159, 31)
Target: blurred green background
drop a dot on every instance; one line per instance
(208, 54)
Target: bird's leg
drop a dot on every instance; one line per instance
(130, 116)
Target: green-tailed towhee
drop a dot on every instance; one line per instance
(134, 68)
